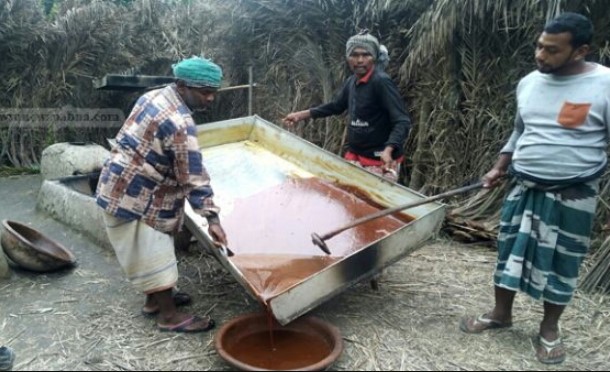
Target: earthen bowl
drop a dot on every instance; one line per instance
(244, 325)
(31, 250)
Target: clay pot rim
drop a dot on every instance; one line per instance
(324, 363)
(7, 226)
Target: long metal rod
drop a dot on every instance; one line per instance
(319, 239)
(235, 87)
(251, 85)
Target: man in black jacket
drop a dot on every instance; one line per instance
(378, 121)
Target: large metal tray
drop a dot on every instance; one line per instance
(263, 177)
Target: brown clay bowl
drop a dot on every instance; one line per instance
(29, 249)
(230, 336)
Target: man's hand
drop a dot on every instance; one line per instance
(386, 156)
(294, 117)
(218, 234)
(492, 178)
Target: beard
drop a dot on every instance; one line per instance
(550, 69)
(546, 69)
(194, 104)
(201, 108)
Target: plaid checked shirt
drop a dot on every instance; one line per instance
(156, 164)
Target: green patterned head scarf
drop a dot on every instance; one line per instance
(198, 72)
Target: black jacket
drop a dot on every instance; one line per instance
(377, 115)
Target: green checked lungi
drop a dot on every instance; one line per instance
(544, 237)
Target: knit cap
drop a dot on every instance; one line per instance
(198, 72)
(363, 40)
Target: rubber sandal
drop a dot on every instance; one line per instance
(183, 326)
(545, 349)
(482, 323)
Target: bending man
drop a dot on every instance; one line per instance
(155, 166)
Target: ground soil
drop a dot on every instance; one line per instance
(88, 318)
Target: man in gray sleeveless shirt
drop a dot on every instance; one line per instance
(556, 155)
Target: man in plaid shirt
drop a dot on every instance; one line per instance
(155, 166)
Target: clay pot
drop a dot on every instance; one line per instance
(5, 271)
(31, 250)
(229, 340)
